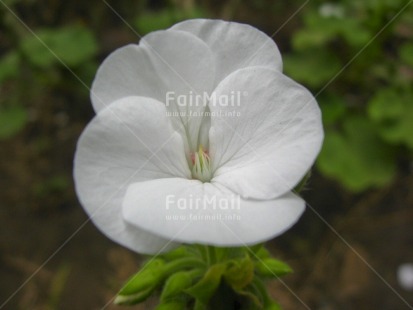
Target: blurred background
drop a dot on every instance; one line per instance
(355, 56)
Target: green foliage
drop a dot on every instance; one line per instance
(272, 268)
(205, 288)
(12, 120)
(149, 275)
(392, 111)
(171, 305)
(10, 2)
(142, 284)
(357, 156)
(177, 283)
(196, 276)
(71, 45)
(36, 58)
(313, 67)
(336, 53)
(163, 19)
(406, 53)
(55, 184)
(334, 109)
(239, 273)
(323, 30)
(9, 66)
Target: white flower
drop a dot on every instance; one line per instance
(405, 276)
(331, 10)
(211, 172)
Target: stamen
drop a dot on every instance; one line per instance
(201, 165)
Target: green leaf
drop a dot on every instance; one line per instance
(12, 120)
(406, 53)
(392, 111)
(312, 67)
(206, 287)
(318, 31)
(321, 30)
(353, 32)
(383, 4)
(9, 66)
(152, 21)
(272, 268)
(333, 108)
(72, 45)
(308, 38)
(357, 157)
(54, 184)
(163, 19)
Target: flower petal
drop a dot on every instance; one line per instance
(265, 148)
(234, 45)
(130, 141)
(193, 212)
(171, 67)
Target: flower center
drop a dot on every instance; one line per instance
(201, 165)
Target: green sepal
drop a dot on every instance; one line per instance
(178, 282)
(178, 253)
(148, 276)
(300, 186)
(241, 270)
(133, 299)
(251, 296)
(272, 268)
(272, 305)
(239, 273)
(199, 305)
(261, 253)
(255, 248)
(236, 253)
(152, 275)
(261, 291)
(171, 305)
(205, 288)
